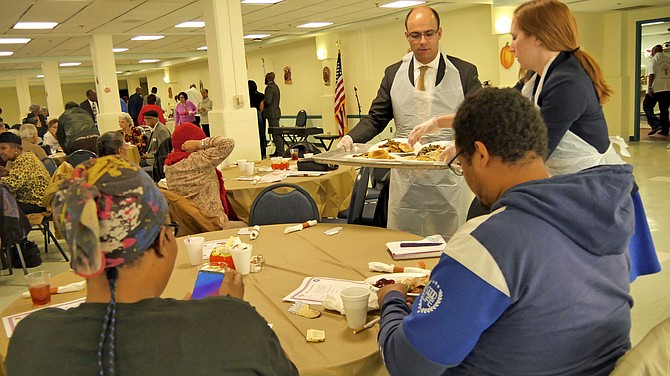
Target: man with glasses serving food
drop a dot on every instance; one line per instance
(540, 286)
(424, 84)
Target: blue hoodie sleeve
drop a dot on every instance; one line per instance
(466, 294)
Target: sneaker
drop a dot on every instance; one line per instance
(653, 131)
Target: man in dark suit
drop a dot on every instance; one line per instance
(135, 103)
(272, 112)
(424, 84)
(91, 105)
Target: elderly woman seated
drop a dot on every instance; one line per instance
(29, 139)
(190, 171)
(27, 178)
(131, 133)
(114, 221)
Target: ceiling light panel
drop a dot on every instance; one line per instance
(192, 24)
(148, 37)
(34, 25)
(14, 40)
(315, 25)
(402, 4)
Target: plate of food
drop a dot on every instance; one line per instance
(415, 282)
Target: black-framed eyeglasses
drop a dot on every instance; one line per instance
(416, 35)
(175, 227)
(455, 164)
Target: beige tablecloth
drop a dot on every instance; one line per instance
(331, 191)
(289, 259)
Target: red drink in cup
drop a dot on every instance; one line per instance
(295, 154)
(39, 287)
(40, 294)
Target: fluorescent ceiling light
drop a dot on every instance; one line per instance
(120, 49)
(40, 76)
(118, 72)
(402, 4)
(148, 37)
(260, 1)
(6, 53)
(35, 25)
(653, 23)
(313, 25)
(149, 61)
(195, 24)
(256, 36)
(14, 40)
(202, 48)
(73, 64)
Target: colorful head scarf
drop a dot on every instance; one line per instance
(110, 212)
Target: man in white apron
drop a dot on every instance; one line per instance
(426, 83)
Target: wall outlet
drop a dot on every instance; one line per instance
(238, 101)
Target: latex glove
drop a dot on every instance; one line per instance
(448, 153)
(427, 127)
(346, 143)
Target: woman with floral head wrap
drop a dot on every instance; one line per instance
(190, 171)
(114, 220)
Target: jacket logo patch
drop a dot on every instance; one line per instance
(430, 298)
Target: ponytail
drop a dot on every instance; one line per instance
(109, 325)
(603, 90)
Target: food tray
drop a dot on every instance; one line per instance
(341, 157)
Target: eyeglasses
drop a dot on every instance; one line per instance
(175, 227)
(416, 36)
(455, 164)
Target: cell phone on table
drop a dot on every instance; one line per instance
(207, 284)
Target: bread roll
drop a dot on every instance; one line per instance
(379, 154)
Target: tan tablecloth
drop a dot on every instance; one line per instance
(289, 259)
(331, 191)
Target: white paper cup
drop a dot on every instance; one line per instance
(249, 168)
(193, 246)
(355, 301)
(242, 164)
(242, 260)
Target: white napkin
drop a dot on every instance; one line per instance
(386, 268)
(300, 227)
(334, 302)
(72, 287)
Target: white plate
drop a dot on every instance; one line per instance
(397, 277)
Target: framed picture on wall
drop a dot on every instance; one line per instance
(287, 76)
(326, 76)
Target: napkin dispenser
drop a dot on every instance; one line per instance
(308, 165)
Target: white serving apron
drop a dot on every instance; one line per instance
(573, 154)
(426, 202)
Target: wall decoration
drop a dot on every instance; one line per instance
(287, 76)
(506, 56)
(326, 76)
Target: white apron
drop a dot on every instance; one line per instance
(426, 202)
(573, 154)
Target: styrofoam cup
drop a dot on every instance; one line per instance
(241, 164)
(355, 301)
(250, 168)
(194, 246)
(242, 259)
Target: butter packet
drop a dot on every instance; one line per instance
(302, 309)
(314, 335)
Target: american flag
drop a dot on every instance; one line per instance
(340, 111)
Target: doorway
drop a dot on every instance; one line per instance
(648, 34)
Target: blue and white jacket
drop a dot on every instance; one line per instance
(538, 287)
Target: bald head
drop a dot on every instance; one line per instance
(422, 11)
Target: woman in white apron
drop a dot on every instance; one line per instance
(569, 92)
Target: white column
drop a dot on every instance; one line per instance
(106, 84)
(52, 88)
(232, 115)
(23, 95)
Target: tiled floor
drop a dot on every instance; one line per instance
(651, 159)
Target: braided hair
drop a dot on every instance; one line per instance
(109, 325)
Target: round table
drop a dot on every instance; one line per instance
(289, 259)
(331, 191)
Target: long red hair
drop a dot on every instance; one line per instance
(554, 25)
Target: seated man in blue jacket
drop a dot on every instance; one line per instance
(538, 287)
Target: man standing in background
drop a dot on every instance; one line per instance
(90, 105)
(195, 97)
(154, 90)
(203, 109)
(272, 112)
(135, 103)
(659, 88)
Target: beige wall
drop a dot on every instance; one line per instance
(10, 105)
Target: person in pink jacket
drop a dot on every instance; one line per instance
(185, 110)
